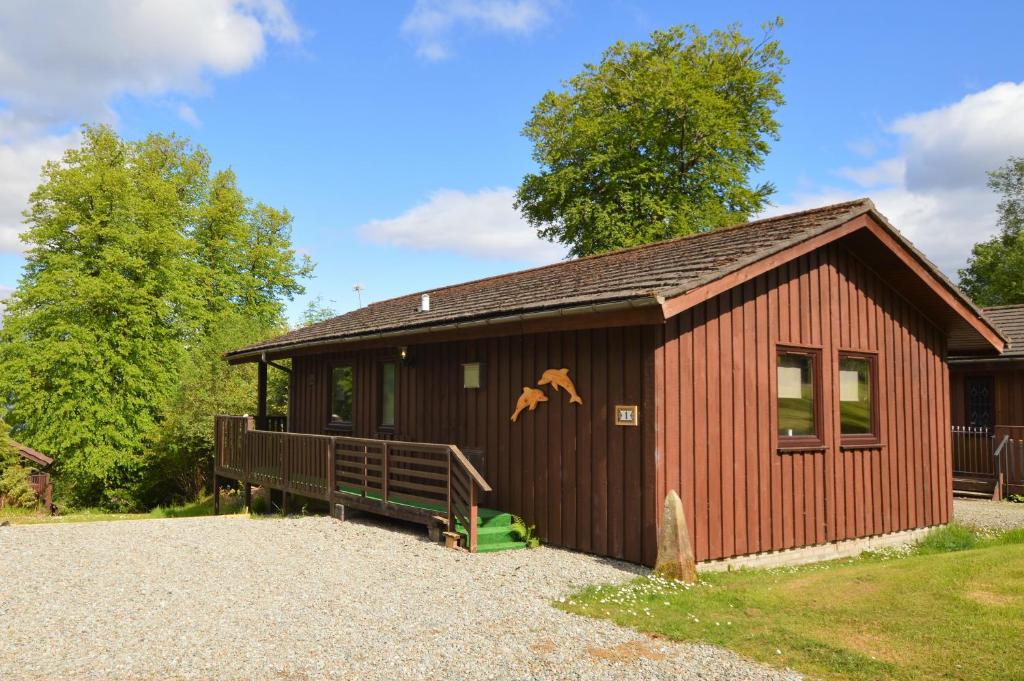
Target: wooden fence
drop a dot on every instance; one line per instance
(412, 480)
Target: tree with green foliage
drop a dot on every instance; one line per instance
(657, 140)
(317, 310)
(995, 271)
(138, 262)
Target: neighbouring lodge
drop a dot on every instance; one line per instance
(987, 407)
(788, 377)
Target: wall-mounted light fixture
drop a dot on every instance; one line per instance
(405, 359)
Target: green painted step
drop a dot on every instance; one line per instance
(493, 532)
(492, 525)
(504, 546)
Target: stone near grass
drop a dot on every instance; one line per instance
(675, 555)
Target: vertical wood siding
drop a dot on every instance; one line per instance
(716, 418)
(1008, 380)
(586, 483)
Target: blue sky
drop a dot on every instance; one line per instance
(391, 130)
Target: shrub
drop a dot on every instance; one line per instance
(14, 488)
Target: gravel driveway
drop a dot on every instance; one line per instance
(988, 515)
(238, 598)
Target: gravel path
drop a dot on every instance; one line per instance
(988, 515)
(238, 598)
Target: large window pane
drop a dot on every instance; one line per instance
(796, 395)
(855, 396)
(341, 402)
(387, 394)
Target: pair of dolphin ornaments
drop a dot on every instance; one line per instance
(531, 397)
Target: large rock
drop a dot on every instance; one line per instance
(675, 555)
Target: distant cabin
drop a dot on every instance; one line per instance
(39, 478)
(987, 403)
(788, 377)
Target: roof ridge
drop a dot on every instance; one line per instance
(624, 249)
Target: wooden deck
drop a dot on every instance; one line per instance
(414, 481)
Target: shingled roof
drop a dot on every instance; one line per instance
(32, 455)
(1009, 319)
(644, 274)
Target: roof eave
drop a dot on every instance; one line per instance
(242, 356)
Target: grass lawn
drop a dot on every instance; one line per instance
(203, 506)
(951, 608)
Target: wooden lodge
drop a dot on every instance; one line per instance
(987, 407)
(787, 377)
(38, 479)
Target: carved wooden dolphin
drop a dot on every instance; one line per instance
(529, 398)
(559, 378)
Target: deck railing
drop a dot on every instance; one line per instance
(996, 454)
(416, 478)
(972, 450)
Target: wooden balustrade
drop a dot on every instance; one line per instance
(412, 480)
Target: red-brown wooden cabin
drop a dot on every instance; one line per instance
(987, 403)
(787, 377)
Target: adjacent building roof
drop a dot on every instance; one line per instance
(32, 455)
(1009, 319)
(644, 275)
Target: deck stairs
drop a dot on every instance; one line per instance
(974, 485)
(494, 532)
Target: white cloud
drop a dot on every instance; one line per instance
(888, 171)
(954, 146)
(482, 224)
(20, 164)
(431, 22)
(63, 62)
(934, 190)
(5, 293)
(188, 114)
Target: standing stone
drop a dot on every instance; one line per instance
(675, 555)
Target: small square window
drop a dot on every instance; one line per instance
(471, 375)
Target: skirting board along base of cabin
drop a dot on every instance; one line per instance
(846, 548)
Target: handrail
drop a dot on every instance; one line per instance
(470, 468)
(1002, 445)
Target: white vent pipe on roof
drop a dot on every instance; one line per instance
(425, 303)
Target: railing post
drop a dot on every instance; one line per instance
(366, 470)
(472, 516)
(451, 517)
(332, 471)
(241, 451)
(285, 464)
(385, 473)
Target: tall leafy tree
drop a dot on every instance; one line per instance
(657, 140)
(995, 271)
(137, 261)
